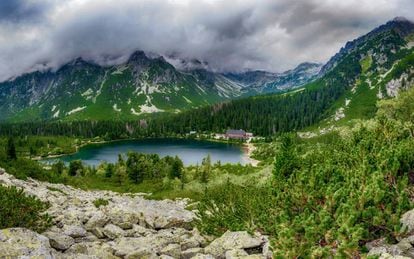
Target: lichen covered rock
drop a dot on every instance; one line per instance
(20, 242)
(129, 227)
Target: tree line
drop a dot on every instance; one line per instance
(263, 115)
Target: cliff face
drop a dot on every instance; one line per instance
(130, 226)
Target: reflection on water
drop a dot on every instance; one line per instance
(190, 151)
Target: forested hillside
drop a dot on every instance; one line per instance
(373, 67)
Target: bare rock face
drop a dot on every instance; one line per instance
(130, 226)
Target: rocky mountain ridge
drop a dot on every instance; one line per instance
(385, 58)
(262, 82)
(130, 226)
(400, 25)
(143, 85)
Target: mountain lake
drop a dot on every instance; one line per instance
(191, 152)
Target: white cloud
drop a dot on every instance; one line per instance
(230, 35)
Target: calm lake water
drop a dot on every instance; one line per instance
(190, 151)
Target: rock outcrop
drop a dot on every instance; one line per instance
(130, 226)
(403, 249)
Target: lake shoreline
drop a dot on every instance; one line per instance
(246, 148)
(38, 158)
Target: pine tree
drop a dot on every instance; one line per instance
(286, 160)
(120, 175)
(177, 168)
(32, 151)
(110, 168)
(206, 169)
(58, 167)
(11, 149)
(121, 161)
(136, 167)
(76, 168)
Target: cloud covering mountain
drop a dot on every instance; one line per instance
(272, 35)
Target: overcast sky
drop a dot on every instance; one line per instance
(234, 35)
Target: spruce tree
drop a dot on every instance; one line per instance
(135, 167)
(120, 175)
(206, 169)
(177, 168)
(110, 168)
(11, 149)
(75, 168)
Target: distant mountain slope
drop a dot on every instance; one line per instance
(82, 90)
(141, 86)
(399, 25)
(266, 82)
(386, 59)
(374, 66)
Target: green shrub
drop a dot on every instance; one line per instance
(234, 207)
(100, 202)
(20, 210)
(23, 168)
(326, 197)
(76, 168)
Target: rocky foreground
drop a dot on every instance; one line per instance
(130, 226)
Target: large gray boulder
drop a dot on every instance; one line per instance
(202, 256)
(407, 221)
(190, 253)
(142, 253)
(24, 243)
(74, 231)
(235, 241)
(123, 218)
(98, 219)
(379, 248)
(173, 250)
(59, 241)
(91, 250)
(111, 231)
(389, 256)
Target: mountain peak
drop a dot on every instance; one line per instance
(308, 65)
(78, 62)
(400, 25)
(400, 19)
(138, 55)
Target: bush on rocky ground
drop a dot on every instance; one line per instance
(19, 210)
(100, 202)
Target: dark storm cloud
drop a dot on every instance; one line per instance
(17, 11)
(230, 35)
